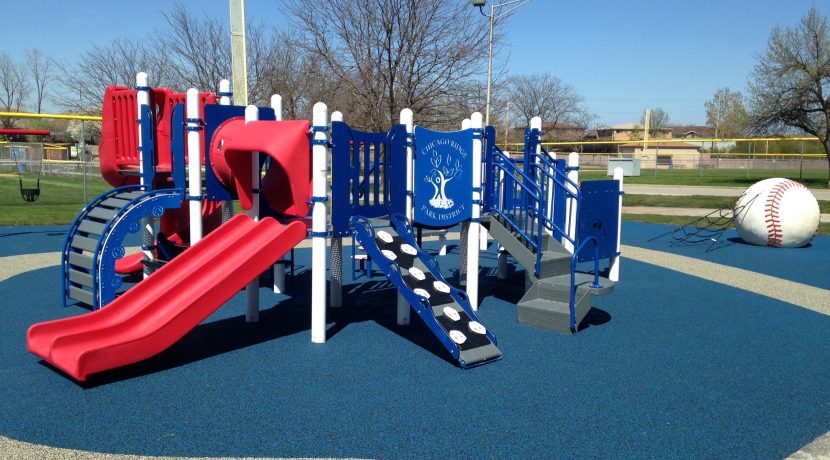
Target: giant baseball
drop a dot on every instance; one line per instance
(777, 212)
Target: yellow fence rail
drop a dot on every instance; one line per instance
(56, 116)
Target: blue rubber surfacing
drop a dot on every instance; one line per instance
(689, 369)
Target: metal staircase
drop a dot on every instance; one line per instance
(547, 302)
(534, 210)
(95, 240)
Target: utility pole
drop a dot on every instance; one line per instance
(493, 17)
(239, 62)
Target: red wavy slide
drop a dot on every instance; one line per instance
(160, 310)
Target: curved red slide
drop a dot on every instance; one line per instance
(160, 310)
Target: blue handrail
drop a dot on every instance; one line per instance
(595, 284)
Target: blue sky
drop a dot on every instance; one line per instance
(620, 56)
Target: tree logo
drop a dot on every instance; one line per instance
(443, 171)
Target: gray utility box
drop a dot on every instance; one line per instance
(630, 166)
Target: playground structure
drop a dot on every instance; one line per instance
(532, 206)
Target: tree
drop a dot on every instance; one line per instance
(13, 89)
(727, 114)
(116, 64)
(789, 85)
(91, 131)
(547, 97)
(659, 120)
(392, 54)
(40, 69)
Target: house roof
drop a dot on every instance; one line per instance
(630, 127)
(682, 130)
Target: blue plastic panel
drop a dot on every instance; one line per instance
(443, 177)
(360, 174)
(599, 216)
(215, 115)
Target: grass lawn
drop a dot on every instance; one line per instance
(61, 198)
(814, 178)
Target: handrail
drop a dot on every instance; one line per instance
(575, 194)
(595, 284)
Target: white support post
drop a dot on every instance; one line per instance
(194, 165)
(614, 271)
(319, 224)
(407, 119)
(148, 236)
(536, 124)
(225, 99)
(252, 289)
(465, 232)
(570, 208)
(336, 270)
(279, 267)
(475, 231)
(484, 238)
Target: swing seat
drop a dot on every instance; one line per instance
(30, 194)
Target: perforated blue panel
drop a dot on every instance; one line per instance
(443, 177)
(598, 217)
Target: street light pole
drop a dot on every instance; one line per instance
(492, 16)
(489, 65)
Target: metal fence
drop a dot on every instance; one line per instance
(45, 159)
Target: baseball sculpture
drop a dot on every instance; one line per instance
(777, 212)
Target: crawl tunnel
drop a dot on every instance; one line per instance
(287, 183)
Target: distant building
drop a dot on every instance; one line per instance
(692, 132)
(665, 155)
(631, 132)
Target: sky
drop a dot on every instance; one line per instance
(622, 57)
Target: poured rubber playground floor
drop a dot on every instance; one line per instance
(679, 362)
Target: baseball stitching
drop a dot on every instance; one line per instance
(775, 231)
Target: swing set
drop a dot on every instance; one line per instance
(23, 163)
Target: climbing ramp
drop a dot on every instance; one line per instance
(445, 310)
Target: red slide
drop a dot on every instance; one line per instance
(160, 310)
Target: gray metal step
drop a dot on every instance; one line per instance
(130, 195)
(100, 213)
(512, 245)
(82, 242)
(550, 314)
(583, 284)
(89, 226)
(80, 295)
(80, 260)
(81, 278)
(115, 203)
(552, 263)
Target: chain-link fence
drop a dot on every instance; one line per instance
(767, 157)
(47, 159)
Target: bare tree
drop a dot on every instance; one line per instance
(198, 48)
(726, 113)
(659, 120)
(40, 70)
(117, 64)
(391, 54)
(546, 96)
(13, 89)
(788, 87)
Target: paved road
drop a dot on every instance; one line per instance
(694, 212)
(687, 190)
